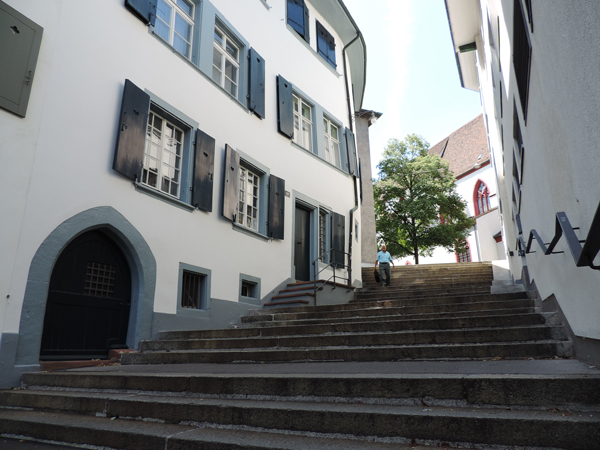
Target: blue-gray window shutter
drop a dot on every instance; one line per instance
(306, 22)
(202, 188)
(276, 207)
(131, 137)
(256, 97)
(145, 10)
(20, 40)
(285, 108)
(230, 183)
(360, 180)
(338, 238)
(351, 150)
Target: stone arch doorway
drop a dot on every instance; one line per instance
(89, 300)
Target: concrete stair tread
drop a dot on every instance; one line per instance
(363, 334)
(333, 326)
(138, 435)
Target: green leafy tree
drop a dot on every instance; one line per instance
(417, 207)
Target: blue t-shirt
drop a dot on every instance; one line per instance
(384, 257)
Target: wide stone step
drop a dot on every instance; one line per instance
(492, 426)
(567, 392)
(377, 303)
(384, 318)
(394, 323)
(391, 311)
(537, 349)
(412, 337)
(138, 435)
(400, 293)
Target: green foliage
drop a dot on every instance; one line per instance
(417, 207)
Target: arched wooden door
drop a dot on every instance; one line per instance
(87, 312)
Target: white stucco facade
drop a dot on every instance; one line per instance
(60, 155)
(553, 110)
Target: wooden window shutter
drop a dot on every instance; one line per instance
(145, 10)
(306, 22)
(256, 97)
(204, 166)
(338, 238)
(230, 183)
(276, 207)
(285, 111)
(351, 150)
(131, 137)
(20, 40)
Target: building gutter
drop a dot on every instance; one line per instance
(462, 83)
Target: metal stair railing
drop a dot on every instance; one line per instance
(318, 284)
(583, 256)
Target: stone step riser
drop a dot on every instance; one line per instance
(393, 324)
(475, 306)
(399, 293)
(379, 319)
(570, 392)
(547, 349)
(392, 302)
(365, 339)
(502, 429)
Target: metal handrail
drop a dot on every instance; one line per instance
(583, 256)
(334, 265)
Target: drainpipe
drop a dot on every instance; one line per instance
(350, 121)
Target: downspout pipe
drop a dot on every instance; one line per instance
(351, 122)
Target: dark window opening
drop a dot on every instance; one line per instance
(521, 56)
(465, 256)
(297, 17)
(326, 44)
(191, 291)
(248, 289)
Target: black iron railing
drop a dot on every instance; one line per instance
(333, 264)
(583, 256)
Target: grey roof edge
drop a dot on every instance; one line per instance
(361, 39)
(462, 83)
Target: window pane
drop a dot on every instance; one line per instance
(181, 46)
(163, 30)
(186, 7)
(163, 11)
(232, 50)
(296, 130)
(306, 135)
(231, 87)
(230, 71)
(334, 132)
(336, 154)
(218, 37)
(183, 28)
(306, 111)
(295, 104)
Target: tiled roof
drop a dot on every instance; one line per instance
(463, 147)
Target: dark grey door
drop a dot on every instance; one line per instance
(89, 298)
(302, 244)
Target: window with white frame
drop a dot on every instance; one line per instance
(302, 123)
(323, 236)
(226, 62)
(332, 142)
(162, 155)
(248, 202)
(175, 24)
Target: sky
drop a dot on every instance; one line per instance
(412, 76)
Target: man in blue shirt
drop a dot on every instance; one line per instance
(384, 259)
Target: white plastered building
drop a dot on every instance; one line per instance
(169, 164)
(536, 64)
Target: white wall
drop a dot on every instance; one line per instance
(62, 163)
(560, 171)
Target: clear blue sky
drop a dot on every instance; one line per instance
(412, 76)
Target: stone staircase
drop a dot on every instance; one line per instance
(434, 360)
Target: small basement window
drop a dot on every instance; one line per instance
(193, 291)
(249, 289)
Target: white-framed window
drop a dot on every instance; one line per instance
(331, 142)
(248, 202)
(323, 235)
(302, 123)
(162, 155)
(175, 24)
(226, 62)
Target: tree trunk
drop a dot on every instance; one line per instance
(416, 255)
